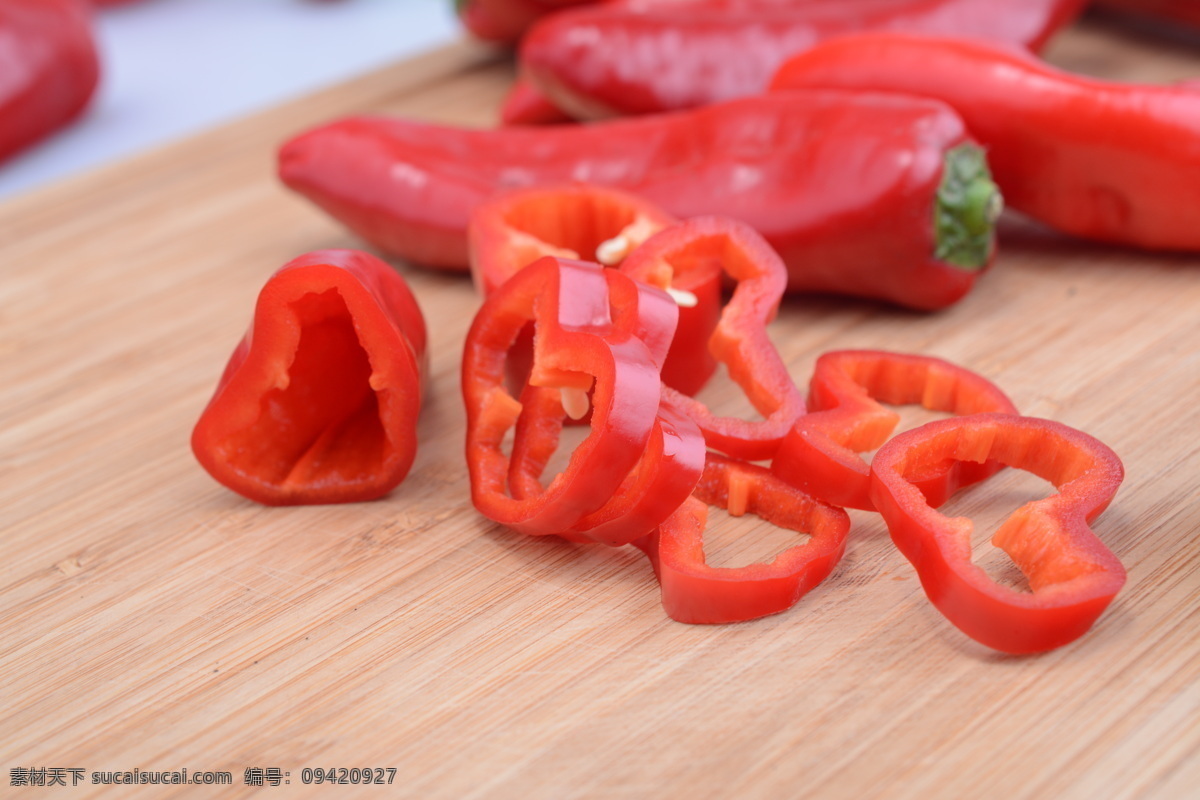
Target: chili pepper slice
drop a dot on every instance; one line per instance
(661, 481)
(1072, 575)
(612, 59)
(50, 69)
(584, 341)
(696, 593)
(319, 402)
(821, 452)
(1135, 185)
(880, 196)
(572, 220)
(739, 340)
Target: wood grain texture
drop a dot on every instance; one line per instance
(153, 620)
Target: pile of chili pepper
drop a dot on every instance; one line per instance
(780, 145)
(654, 459)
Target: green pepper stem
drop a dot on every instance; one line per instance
(968, 205)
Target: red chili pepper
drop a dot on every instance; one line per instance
(505, 21)
(525, 105)
(609, 60)
(319, 402)
(820, 454)
(694, 592)
(588, 320)
(739, 340)
(869, 195)
(49, 69)
(1072, 575)
(1135, 184)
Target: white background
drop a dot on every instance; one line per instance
(174, 67)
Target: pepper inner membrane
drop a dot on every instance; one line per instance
(325, 425)
(576, 222)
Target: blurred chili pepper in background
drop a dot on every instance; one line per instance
(48, 68)
(1112, 161)
(658, 55)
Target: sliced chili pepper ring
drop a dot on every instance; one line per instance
(739, 339)
(576, 347)
(570, 220)
(1072, 575)
(661, 481)
(694, 592)
(319, 402)
(820, 454)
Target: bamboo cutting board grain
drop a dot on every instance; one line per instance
(153, 620)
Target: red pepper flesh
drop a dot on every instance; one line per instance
(319, 402)
(1114, 162)
(846, 187)
(572, 220)
(821, 452)
(696, 593)
(1072, 575)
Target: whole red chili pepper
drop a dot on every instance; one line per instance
(319, 402)
(694, 592)
(608, 60)
(1116, 162)
(878, 196)
(821, 452)
(1072, 575)
(48, 68)
(584, 342)
(739, 339)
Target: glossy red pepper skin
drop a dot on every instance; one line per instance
(1072, 576)
(1134, 185)
(842, 185)
(820, 454)
(739, 340)
(319, 402)
(49, 69)
(696, 593)
(583, 342)
(604, 60)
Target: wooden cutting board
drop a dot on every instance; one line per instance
(153, 620)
